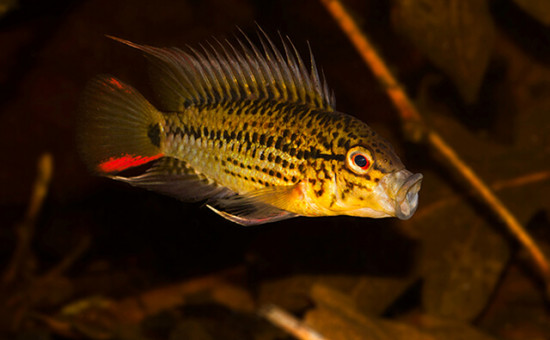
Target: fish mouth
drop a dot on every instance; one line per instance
(402, 189)
(406, 200)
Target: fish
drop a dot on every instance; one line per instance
(247, 128)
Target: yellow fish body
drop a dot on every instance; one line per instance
(254, 133)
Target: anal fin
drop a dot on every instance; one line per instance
(176, 178)
(248, 219)
(256, 207)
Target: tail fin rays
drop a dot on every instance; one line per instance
(119, 129)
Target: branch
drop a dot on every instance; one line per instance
(416, 130)
(25, 229)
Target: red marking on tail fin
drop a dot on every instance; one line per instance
(115, 164)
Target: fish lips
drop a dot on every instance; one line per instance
(401, 189)
(406, 200)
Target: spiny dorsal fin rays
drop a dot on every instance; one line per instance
(313, 78)
(214, 72)
(278, 66)
(225, 74)
(325, 90)
(240, 64)
(294, 67)
(286, 66)
(210, 82)
(317, 82)
(232, 67)
(254, 66)
(264, 67)
(217, 75)
(200, 82)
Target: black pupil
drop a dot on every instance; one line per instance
(360, 161)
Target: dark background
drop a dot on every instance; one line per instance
(140, 240)
(52, 49)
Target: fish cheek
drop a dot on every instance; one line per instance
(374, 176)
(357, 190)
(347, 185)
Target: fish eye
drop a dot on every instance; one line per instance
(359, 160)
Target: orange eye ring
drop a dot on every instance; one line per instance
(359, 160)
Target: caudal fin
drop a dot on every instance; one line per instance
(119, 129)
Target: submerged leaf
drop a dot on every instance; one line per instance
(540, 10)
(456, 35)
(374, 295)
(7, 6)
(463, 262)
(449, 329)
(335, 326)
(337, 318)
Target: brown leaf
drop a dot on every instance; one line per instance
(214, 288)
(290, 293)
(338, 318)
(373, 295)
(99, 318)
(456, 35)
(540, 10)
(335, 326)
(448, 329)
(519, 305)
(192, 329)
(463, 261)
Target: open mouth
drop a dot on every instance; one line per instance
(406, 199)
(396, 195)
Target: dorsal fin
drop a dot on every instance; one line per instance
(226, 73)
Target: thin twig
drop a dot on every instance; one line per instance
(416, 129)
(25, 229)
(496, 205)
(289, 323)
(498, 186)
(70, 258)
(525, 179)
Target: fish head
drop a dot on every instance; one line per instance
(372, 181)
